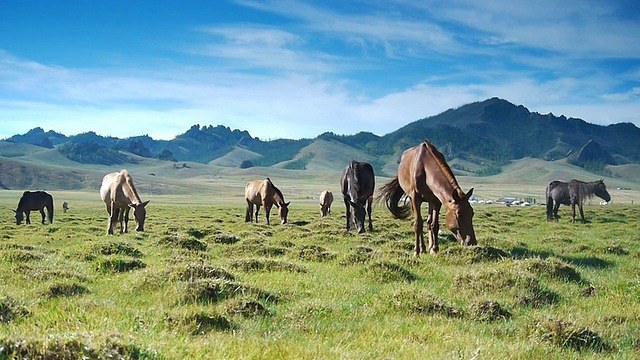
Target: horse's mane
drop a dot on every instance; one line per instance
(128, 181)
(446, 170)
(278, 192)
(584, 190)
(354, 170)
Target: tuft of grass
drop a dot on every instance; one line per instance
(225, 239)
(316, 253)
(567, 335)
(189, 243)
(66, 289)
(266, 265)
(208, 291)
(474, 254)
(194, 272)
(119, 265)
(119, 248)
(487, 311)
(198, 323)
(386, 272)
(11, 310)
(422, 302)
(550, 267)
(69, 348)
(247, 308)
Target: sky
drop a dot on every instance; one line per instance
(297, 69)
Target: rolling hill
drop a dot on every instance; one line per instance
(486, 140)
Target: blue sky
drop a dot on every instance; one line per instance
(294, 69)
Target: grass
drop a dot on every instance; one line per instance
(202, 283)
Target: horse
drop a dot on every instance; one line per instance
(263, 192)
(65, 206)
(34, 200)
(425, 176)
(326, 199)
(358, 183)
(120, 195)
(573, 193)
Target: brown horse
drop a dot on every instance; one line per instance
(424, 176)
(326, 199)
(264, 193)
(119, 195)
(34, 200)
(358, 183)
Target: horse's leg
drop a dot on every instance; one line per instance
(44, 216)
(110, 227)
(573, 212)
(248, 215)
(28, 212)
(126, 219)
(369, 201)
(418, 227)
(434, 227)
(348, 207)
(584, 221)
(555, 211)
(257, 211)
(267, 211)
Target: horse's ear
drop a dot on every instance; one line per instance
(455, 195)
(14, 211)
(468, 194)
(145, 203)
(287, 204)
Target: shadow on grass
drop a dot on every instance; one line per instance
(587, 261)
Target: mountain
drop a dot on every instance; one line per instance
(477, 139)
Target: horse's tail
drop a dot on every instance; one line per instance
(547, 195)
(392, 193)
(50, 208)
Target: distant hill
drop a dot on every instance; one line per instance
(478, 139)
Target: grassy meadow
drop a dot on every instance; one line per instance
(202, 283)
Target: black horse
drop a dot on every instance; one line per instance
(34, 200)
(358, 184)
(573, 193)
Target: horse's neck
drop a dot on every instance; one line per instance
(130, 191)
(277, 197)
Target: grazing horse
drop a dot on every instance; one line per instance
(119, 195)
(326, 199)
(263, 192)
(34, 200)
(358, 183)
(424, 176)
(573, 193)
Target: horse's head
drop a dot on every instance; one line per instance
(139, 214)
(283, 211)
(357, 216)
(459, 218)
(601, 191)
(19, 216)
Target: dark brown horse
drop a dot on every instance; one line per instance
(424, 176)
(573, 193)
(34, 200)
(358, 183)
(263, 192)
(119, 195)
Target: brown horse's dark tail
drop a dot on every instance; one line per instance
(392, 193)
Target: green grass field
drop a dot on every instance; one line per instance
(202, 283)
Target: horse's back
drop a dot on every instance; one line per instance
(358, 175)
(112, 189)
(326, 197)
